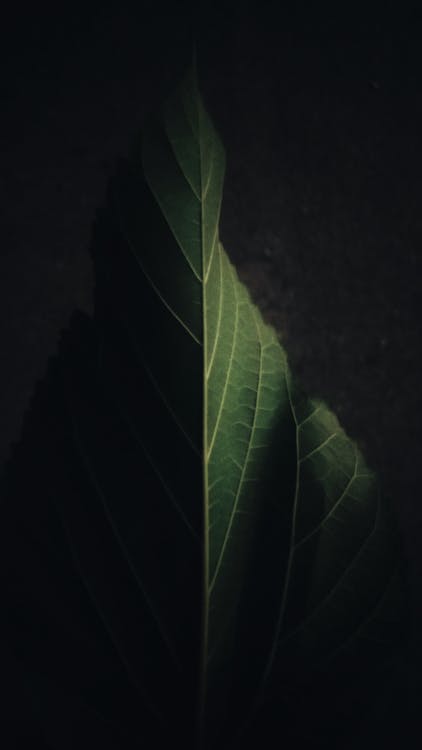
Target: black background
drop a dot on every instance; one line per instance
(321, 117)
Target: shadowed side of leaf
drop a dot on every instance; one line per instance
(286, 512)
(342, 608)
(150, 304)
(73, 613)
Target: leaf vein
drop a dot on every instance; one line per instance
(319, 447)
(228, 373)
(242, 476)
(326, 598)
(332, 510)
(220, 307)
(155, 288)
(99, 491)
(179, 243)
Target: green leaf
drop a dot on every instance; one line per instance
(296, 550)
(228, 534)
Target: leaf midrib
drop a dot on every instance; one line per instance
(205, 593)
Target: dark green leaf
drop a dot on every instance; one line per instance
(227, 532)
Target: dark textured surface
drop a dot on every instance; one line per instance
(322, 131)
